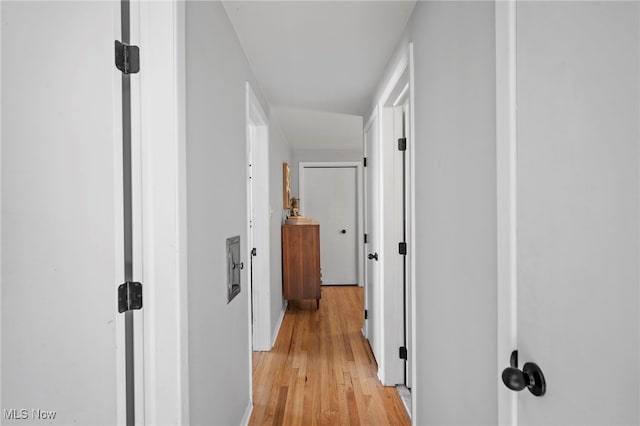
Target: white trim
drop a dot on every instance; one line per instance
(401, 66)
(401, 96)
(366, 225)
(163, 179)
(247, 414)
(372, 119)
(1, 405)
(139, 222)
(257, 132)
(390, 368)
(412, 232)
(360, 202)
(118, 193)
(506, 176)
(180, 32)
(360, 225)
(276, 330)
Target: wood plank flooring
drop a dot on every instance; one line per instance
(321, 370)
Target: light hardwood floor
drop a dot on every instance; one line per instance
(321, 370)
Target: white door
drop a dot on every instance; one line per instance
(398, 231)
(407, 259)
(578, 210)
(329, 196)
(252, 136)
(61, 214)
(372, 286)
(259, 218)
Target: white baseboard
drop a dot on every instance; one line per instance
(247, 415)
(279, 323)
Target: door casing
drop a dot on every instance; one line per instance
(359, 206)
(163, 179)
(390, 317)
(372, 228)
(506, 178)
(258, 233)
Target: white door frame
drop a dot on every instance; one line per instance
(162, 135)
(257, 127)
(360, 211)
(373, 326)
(506, 178)
(366, 328)
(411, 212)
(391, 296)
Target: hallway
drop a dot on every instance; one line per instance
(321, 370)
(145, 185)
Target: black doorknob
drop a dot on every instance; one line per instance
(529, 377)
(373, 256)
(344, 231)
(514, 379)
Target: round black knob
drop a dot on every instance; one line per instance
(373, 256)
(536, 383)
(344, 231)
(529, 377)
(514, 379)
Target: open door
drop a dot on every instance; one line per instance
(62, 352)
(575, 245)
(372, 226)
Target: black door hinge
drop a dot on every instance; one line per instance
(364, 162)
(402, 248)
(366, 238)
(402, 144)
(129, 296)
(366, 314)
(127, 58)
(254, 251)
(403, 352)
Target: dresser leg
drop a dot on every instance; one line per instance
(317, 304)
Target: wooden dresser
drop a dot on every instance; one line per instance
(301, 261)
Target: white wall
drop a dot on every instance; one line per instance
(318, 155)
(216, 72)
(456, 299)
(454, 54)
(279, 152)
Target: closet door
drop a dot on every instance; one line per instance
(577, 216)
(329, 195)
(61, 214)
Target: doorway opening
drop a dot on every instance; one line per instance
(258, 236)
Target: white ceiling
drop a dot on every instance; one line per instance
(322, 56)
(316, 129)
